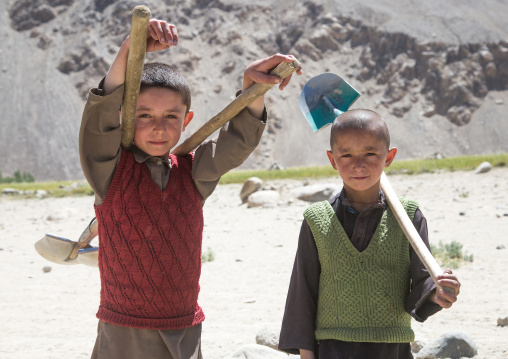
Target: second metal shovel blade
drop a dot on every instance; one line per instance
(324, 97)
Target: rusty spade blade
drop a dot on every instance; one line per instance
(324, 97)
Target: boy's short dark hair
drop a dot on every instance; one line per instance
(359, 119)
(156, 74)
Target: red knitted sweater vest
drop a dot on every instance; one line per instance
(150, 248)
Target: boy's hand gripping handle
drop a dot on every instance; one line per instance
(411, 233)
(282, 70)
(135, 61)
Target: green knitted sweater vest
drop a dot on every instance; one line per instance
(362, 294)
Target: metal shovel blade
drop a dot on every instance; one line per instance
(55, 249)
(324, 97)
(88, 256)
(64, 251)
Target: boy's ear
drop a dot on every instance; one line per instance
(187, 119)
(330, 157)
(391, 155)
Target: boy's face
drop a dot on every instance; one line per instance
(360, 157)
(160, 120)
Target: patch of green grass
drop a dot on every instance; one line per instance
(450, 255)
(464, 163)
(207, 256)
(54, 189)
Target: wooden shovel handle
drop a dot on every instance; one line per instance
(283, 70)
(410, 231)
(135, 61)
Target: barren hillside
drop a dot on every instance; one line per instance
(437, 71)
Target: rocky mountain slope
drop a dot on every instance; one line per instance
(437, 71)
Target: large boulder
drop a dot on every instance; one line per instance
(268, 336)
(483, 167)
(263, 199)
(454, 345)
(250, 186)
(316, 192)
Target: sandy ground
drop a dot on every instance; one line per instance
(52, 315)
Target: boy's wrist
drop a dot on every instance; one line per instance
(257, 107)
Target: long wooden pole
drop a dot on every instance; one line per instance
(283, 70)
(410, 231)
(135, 61)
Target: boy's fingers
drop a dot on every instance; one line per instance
(285, 82)
(157, 28)
(151, 32)
(443, 302)
(452, 284)
(170, 34)
(263, 78)
(276, 59)
(173, 34)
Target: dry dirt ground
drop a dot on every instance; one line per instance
(52, 315)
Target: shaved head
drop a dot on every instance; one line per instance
(364, 120)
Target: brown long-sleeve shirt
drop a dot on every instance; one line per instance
(100, 151)
(298, 325)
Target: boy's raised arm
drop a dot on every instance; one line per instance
(238, 138)
(258, 72)
(100, 132)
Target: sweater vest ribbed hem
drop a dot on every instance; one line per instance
(182, 322)
(371, 335)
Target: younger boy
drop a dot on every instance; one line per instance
(356, 281)
(148, 203)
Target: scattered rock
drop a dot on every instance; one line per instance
(256, 351)
(250, 186)
(454, 345)
(10, 191)
(483, 167)
(316, 192)
(429, 111)
(459, 115)
(268, 336)
(322, 38)
(462, 213)
(501, 246)
(417, 345)
(263, 198)
(41, 193)
(502, 322)
(46, 269)
(275, 167)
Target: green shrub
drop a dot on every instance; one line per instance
(18, 177)
(207, 256)
(450, 255)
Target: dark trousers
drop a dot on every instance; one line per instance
(335, 349)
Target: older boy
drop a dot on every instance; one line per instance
(356, 281)
(148, 203)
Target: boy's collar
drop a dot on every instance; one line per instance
(343, 199)
(141, 156)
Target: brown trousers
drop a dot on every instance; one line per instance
(116, 342)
